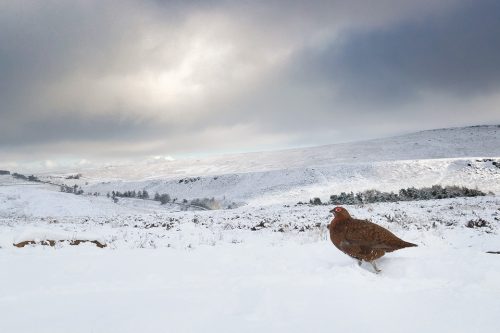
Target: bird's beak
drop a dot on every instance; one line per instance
(332, 211)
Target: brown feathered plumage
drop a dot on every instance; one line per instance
(361, 239)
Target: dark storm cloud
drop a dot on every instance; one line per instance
(457, 52)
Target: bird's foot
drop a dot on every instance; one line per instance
(375, 267)
(360, 262)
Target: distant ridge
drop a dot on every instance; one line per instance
(457, 142)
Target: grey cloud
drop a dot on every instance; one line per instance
(101, 74)
(74, 128)
(415, 73)
(454, 53)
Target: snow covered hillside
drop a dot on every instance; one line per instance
(459, 156)
(268, 264)
(476, 141)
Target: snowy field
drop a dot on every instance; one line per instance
(268, 265)
(249, 287)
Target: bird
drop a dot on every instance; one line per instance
(361, 239)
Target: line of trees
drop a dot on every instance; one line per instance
(75, 189)
(129, 194)
(30, 178)
(406, 194)
(164, 198)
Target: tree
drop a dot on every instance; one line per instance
(315, 201)
(164, 198)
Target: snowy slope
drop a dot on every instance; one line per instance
(324, 171)
(33, 200)
(459, 156)
(478, 141)
(299, 184)
(266, 266)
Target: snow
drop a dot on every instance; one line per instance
(462, 156)
(477, 141)
(247, 288)
(41, 234)
(267, 265)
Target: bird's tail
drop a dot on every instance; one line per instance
(397, 245)
(408, 244)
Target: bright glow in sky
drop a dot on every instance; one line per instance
(109, 82)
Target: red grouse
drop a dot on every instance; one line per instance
(361, 239)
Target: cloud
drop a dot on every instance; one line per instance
(452, 53)
(106, 79)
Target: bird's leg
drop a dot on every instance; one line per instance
(375, 267)
(359, 262)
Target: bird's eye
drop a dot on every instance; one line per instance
(338, 209)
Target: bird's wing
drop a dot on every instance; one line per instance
(365, 233)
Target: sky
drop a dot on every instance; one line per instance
(97, 82)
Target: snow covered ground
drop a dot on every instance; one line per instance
(461, 156)
(267, 265)
(247, 288)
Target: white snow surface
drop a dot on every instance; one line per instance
(457, 156)
(460, 142)
(268, 265)
(248, 288)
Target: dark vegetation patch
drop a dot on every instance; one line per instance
(30, 178)
(166, 225)
(189, 180)
(478, 223)
(494, 162)
(75, 189)
(130, 194)
(164, 198)
(53, 242)
(406, 194)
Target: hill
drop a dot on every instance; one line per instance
(467, 156)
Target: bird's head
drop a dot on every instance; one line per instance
(340, 212)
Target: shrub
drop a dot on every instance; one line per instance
(407, 194)
(19, 176)
(208, 203)
(315, 201)
(164, 198)
(479, 223)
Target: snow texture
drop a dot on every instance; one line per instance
(268, 265)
